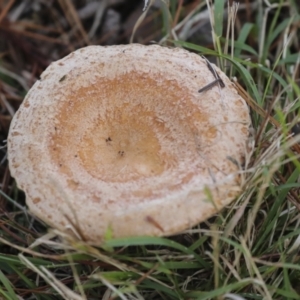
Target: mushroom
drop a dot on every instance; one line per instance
(118, 139)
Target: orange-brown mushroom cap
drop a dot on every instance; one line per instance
(118, 138)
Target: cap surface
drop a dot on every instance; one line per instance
(118, 138)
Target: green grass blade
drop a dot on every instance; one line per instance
(143, 241)
(243, 35)
(239, 46)
(273, 214)
(8, 286)
(220, 291)
(218, 17)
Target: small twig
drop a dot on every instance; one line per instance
(210, 85)
(213, 71)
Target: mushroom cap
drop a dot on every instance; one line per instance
(117, 139)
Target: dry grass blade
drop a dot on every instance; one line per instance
(35, 36)
(264, 114)
(141, 19)
(5, 10)
(115, 291)
(74, 20)
(98, 17)
(59, 287)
